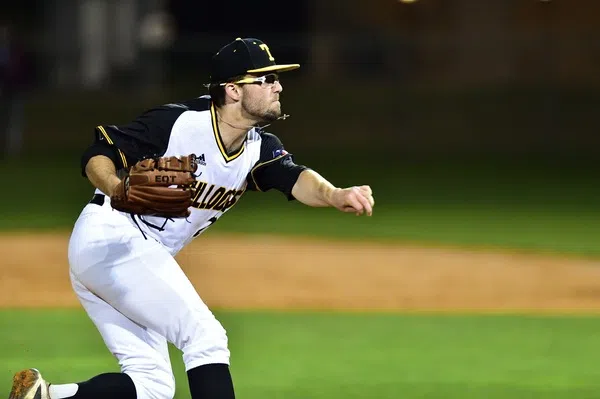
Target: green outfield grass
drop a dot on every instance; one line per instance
(336, 355)
(529, 207)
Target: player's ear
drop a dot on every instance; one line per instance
(232, 90)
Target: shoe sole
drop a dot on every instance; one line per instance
(27, 384)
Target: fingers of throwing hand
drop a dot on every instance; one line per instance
(352, 201)
(366, 189)
(363, 199)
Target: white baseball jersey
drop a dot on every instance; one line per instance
(190, 127)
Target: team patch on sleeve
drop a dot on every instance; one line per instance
(279, 152)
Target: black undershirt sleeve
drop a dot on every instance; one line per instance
(145, 137)
(275, 169)
(100, 148)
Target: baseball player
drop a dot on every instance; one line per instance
(160, 181)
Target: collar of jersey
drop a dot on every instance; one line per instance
(219, 140)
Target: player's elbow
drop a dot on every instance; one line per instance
(95, 152)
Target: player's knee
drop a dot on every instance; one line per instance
(205, 343)
(153, 384)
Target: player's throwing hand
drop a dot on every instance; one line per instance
(357, 199)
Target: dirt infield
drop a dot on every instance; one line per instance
(291, 273)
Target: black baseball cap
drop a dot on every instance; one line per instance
(244, 56)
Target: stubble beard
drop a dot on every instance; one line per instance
(260, 113)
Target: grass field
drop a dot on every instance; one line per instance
(550, 208)
(336, 355)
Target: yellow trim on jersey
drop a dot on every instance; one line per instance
(101, 128)
(213, 117)
(103, 131)
(262, 164)
(123, 158)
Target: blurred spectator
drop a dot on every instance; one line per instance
(13, 81)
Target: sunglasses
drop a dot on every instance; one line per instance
(269, 79)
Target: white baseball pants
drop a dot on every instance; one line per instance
(139, 298)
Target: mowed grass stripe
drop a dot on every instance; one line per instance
(340, 355)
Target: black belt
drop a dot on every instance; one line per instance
(98, 199)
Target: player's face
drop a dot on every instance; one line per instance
(261, 99)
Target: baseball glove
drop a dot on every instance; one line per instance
(157, 187)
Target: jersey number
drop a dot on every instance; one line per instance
(210, 222)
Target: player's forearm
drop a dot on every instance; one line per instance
(102, 173)
(312, 189)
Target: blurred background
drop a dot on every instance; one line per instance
(466, 105)
(425, 78)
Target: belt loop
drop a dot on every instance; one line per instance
(98, 199)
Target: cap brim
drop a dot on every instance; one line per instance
(278, 68)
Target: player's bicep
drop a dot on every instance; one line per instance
(275, 169)
(107, 144)
(132, 143)
(100, 148)
(147, 136)
(281, 174)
